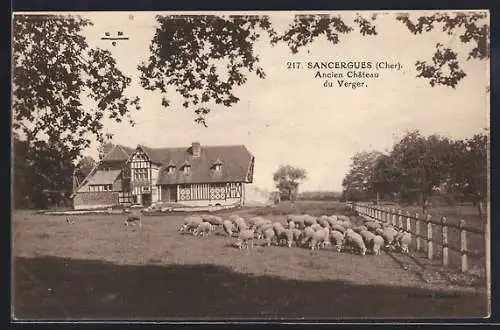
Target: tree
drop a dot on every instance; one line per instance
(358, 184)
(421, 165)
(470, 170)
(53, 69)
(42, 174)
(287, 179)
(204, 57)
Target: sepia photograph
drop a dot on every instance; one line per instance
(250, 165)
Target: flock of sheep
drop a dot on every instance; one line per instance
(303, 231)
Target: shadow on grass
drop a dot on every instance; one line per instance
(56, 288)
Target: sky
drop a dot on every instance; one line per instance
(289, 117)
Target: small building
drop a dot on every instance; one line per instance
(190, 176)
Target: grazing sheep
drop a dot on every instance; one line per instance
(278, 228)
(203, 229)
(191, 223)
(244, 237)
(307, 235)
(309, 220)
(320, 238)
(252, 222)
(268, 235)
(297, 233)
(372, 225)
(359, 229)
(212, 219)
(70, 220)
(287, 236)
(291, 224)
(368, 236)
(323, 221)
(379, 231)
(376, 244)
(260, 230)
(338, 227)
(337, 239)
(316, 227)
(345, 223)
(355, 241)
(240, 224)
(298, 219)
(332, 220)
(405, 241)
(388, 234)
(228, 227)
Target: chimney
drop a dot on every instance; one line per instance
(196, 149)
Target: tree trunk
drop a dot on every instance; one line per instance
(424, 204)
(480, 209)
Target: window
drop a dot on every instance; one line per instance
(187, 169)
(110, 187)
(170, 169)
(141, 173)
(218, 167)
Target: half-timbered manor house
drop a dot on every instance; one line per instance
(191, 176)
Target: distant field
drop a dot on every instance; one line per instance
(98, 268)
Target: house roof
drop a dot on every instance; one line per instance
(236, 160)
(118, 153)
(104, 177)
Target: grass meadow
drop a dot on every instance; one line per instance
(99, 269)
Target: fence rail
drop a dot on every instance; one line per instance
(403, 221)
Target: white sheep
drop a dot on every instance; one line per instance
(307, 235)
(338, 227)
(287, 236)
(372, 225)
(405, 241)
(240, 224)
(309, 220)
(320, 238)
(228, 227)
(359, 229)
(368, 236)
(354, 240)
(376, 244)
(191, 223)
(297, 219)
(388, 234)
(323, 221)
(337, 239)
(297, 233)
(244, 237)
(278, 228)
(203, 228)
(268, 235)
(291, 224)
(317, 227)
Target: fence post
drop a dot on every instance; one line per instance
(400, 219)
(408, 222)
(429, 237)
(417, 232)
(444, 230)
(393, 216)
(463, 245)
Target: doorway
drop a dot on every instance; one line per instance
(146, 199)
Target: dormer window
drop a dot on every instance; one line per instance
(217, 165)
(186, 167)
(170, 167)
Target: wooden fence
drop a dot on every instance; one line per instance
(403, 220)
